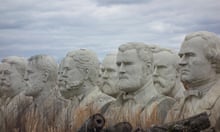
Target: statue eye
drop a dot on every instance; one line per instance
(29, 72)
(118, 64)
(180, 55)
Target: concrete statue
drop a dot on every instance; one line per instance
(14, 75)
(166, 76)
(80, 74)
(99, 83)
(135, 67)
(199, 67)
(109, 75)
(41, 76)
(12, 88)
(60, 80)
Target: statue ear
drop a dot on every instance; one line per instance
(45, 76)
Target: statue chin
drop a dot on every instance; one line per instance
(70, 91)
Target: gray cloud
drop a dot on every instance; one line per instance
(55, 27)
(116, 2)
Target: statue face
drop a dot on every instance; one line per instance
(165, 74)
(60, 80)
(35, 81)
(73, 76)
(11, 82)
(130, 71)
(194, 66)
(109, 75)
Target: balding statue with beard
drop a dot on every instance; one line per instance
(166, 75)
(109, 76)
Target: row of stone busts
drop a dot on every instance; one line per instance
(165, 75)
(139, 84)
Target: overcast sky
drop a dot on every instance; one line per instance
(54, 27)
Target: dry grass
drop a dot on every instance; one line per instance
(36, 121)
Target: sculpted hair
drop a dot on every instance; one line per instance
(212, 47)
(45, 63)
(87, 61)
(143, 51)
(176, 58)
(19, 63)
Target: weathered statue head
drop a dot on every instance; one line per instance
(200, 57)
(12, 75)
(41, 74)
(80, 68)
(166, 73)
(134, 62)
(109, 75)
(60, 80)
(99, 83)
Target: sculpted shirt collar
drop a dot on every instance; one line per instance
(199, 91)
(79, 98)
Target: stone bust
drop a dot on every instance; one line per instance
(13, 85)
(166, 75)
(199, 68)
(79, 67)
(81, 74)
(60, 80)
(135, 67)
(198, 59)
(109, 75)
(16, 67)
(134, 62)
(41, 75)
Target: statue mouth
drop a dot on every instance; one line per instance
(122, 77)
(4, 84)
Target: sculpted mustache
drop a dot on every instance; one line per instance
(5, 82)
(160, 81)
(73, 84)
(61, 83)
(106, 83)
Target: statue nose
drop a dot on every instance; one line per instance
(105, 75)
(122, 68)
(26, 76)
(182, 61)
(155, 73)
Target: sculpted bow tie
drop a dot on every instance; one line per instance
(196, 93)
(126, 97)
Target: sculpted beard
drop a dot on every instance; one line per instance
(5, 84)
(61, 84)
(33, 90)
(5, 87)
(108, 87)
(68, 91)
(160, 81)
(163, 85)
